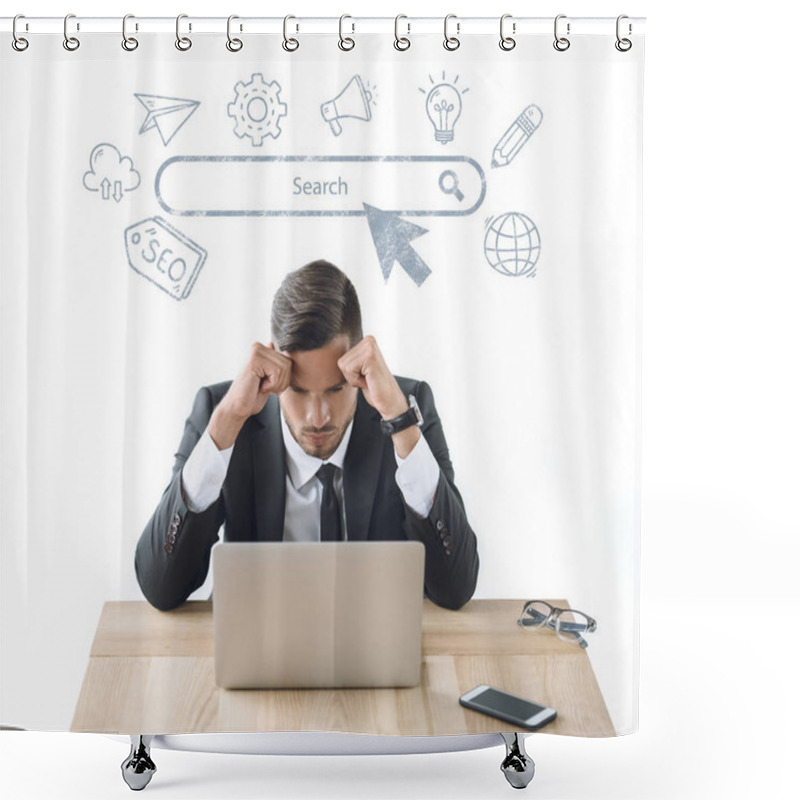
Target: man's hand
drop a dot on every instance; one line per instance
(363, 366)
(267, 372)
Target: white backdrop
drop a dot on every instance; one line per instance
(720, 438)
(534, 362)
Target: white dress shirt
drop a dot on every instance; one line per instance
(204, 472)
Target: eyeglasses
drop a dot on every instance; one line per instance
(569, 625)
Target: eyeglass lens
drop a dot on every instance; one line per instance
(569, 625)
(572, 625)
(536, 614)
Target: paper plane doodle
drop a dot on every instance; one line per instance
(166, 114)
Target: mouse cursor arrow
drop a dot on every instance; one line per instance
(392, 237)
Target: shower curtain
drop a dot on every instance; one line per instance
(484, 201)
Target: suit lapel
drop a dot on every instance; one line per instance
(362, 464)
(269, 473)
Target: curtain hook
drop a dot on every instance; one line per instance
(623, 45)
(451, 42)
(18, 43)
(234, 45)
(401, 42)
(506, 42)
(70, 42)
(183, 43)
(289, 44)
(345, 42)
(561, 43)
(129, 43)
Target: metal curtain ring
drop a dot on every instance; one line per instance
(19, 43)
(289, 44)
(623, 45)
(401, 42)
(506, 42)
(451, 42)
(70, 42)
(181, 42)
(129, 43)
(234, 45)
(345, 42)
(561, 43)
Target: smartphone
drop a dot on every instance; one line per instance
(508, 707)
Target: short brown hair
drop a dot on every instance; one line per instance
(313, 305)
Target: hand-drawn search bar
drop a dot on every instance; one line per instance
(319, 186)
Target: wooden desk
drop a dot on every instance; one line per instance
(152, 672)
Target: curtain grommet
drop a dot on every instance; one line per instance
(561, 43)
(623, 44)
(19, 43)
(401, 43)
(451, 42)
(129, 43)
(71, 43)
(233, 44)
(289, 44)
(183, 43)
(507, 42)
(346, 43)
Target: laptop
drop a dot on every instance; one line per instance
(317, 614)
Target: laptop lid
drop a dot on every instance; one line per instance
(317, 614)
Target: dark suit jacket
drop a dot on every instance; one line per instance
(173, 552)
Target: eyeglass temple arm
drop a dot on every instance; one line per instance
(577, 634)
(572, 627)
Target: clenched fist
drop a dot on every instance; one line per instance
(266, 372)
(363, 366)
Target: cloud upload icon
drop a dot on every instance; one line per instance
(111, 173)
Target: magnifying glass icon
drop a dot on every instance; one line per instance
(451, 187)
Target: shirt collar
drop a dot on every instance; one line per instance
(301, 466)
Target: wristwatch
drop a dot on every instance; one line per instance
(408, 418)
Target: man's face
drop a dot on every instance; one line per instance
(319, 403)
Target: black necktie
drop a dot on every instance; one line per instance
(330, 516)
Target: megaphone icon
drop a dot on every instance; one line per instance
(353, 101)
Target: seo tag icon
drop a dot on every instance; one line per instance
(163, 255)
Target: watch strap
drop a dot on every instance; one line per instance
(407, 419)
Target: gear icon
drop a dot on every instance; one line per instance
(257, 109)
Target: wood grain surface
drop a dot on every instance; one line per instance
(152, 672)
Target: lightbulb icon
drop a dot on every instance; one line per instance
(443, 107)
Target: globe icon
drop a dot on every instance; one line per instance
(512, 245)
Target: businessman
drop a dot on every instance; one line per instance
(315, 440)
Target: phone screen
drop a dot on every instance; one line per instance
(509, 707)
(493, 700)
